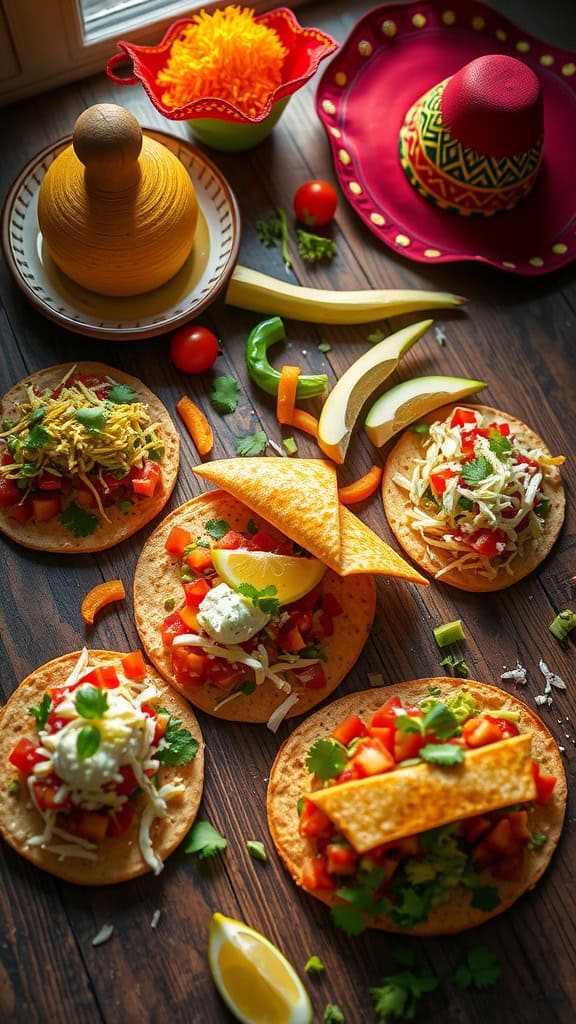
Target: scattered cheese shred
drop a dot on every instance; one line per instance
(105, 933)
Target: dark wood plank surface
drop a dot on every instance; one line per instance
(515, 333)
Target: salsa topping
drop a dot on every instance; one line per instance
(101, 742)
(477, 493)
(86, 444)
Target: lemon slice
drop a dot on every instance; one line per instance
(253, 977)
(293, 577)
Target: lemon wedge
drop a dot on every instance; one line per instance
(293, 577)
(254, 978)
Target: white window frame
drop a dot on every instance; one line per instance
(42, 42)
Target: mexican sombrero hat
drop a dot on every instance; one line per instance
(453, 134)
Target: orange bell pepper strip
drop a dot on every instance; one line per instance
(304, 421)
(99, 597)
(287, 387)
(196, 424)
(362, 488)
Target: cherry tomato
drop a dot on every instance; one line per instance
(315, 203)
(193, 349)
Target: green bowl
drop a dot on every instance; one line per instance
(232, 137)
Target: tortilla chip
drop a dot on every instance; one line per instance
(396, 503)
(119, 857)
(289, 780)
(52, 535)
(423, 796)
(157, 577)
(300, 498)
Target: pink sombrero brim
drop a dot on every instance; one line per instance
(392, 57)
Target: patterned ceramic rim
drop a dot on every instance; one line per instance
(194, 288)
(401, 218)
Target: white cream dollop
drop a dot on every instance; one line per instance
(229, 617)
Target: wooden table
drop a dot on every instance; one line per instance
(518, 334)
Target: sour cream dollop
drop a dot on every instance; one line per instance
(229, 617)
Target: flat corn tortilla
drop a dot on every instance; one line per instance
(289, 780)
(397, 502)
(157, 577)
(53, 535)
(396, 805)
(119, 858)
(300, 498)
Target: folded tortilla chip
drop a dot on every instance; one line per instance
(420, 797)
(300, 498)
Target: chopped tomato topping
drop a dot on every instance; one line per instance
(195, 592)
(460, 417)
(385, 715)
(349, 730)
(371, 757)
(315, 873)
(487, 542)
(313, 677)
(190, 667)
(146, 479)
(134, 665)
(90, 825)
(177, 540)
(49, 482)
(103, 676)
(341, 859)
(171, 627)
(480, 731)
(507, 728)
(407, 744)
(26, 755)
(544, 784)
(45, 507)
(120, 820)
(313, 822)
(199, 559)
(232, 540)
(22, 512)
(439, 480)
(9, 492)
(189, 618)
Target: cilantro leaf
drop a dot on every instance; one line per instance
(79, 520)
(480, 969)
(400, 994)
(465, 504)
(537, 839)
(434, 690)
(348, 919)
(122, 394)
(441, 721)
(485, 897)
(180, 746)
(204, 840)
(38, 437)
(273, 230)
(37, 415)
(333, 1015)
(314, 965)
(41, 712)
(263, 599)
(225, 394)
(87, 741)
(216, 528)
(408, 724)
(326, 758)
(90, 701)
(442, 753)
(376, 336)
(390, 1000)
(420, 428)
(251, 444)
(499, 444)
(314, 248)
(475, 471)
(93, 420)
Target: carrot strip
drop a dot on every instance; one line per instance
(361, 488)
(304, 421)
(287, 387)
(97, 599)
(196, 424)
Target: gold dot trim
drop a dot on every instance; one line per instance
(419, 20)
(377, 219)
(511, 266)
(568, 70)
(389, 28)
(340, 78)
(523, 46)
(344, 157)
(559, 248)
(328, 107)
(432, 253)
(501, 35)
(478, 24)
(536, 261)
(448, 17)
(364, 48)
(336, 133)
(402, 240)
(355, 188)
(547, 60)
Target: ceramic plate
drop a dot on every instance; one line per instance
(190, 291)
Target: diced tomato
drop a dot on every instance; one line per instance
(222, 674)
(341, 858)
(307, 603)
(371, 757)
(487, 542)
(189, 618)
(146, 479)
(55, 722)
(524, 460)
(85, 497)
(177, 540)
(407, 744)
(290, 638)
(26, 755)
(199, 559)
(9, 492)
(385, 716)
(439, 480)
(264, 541)
(502, 428)
(189, 667)
(507, 728)
(120, 820)
(59, 693)
(134, 665)
(499, 838)
(331, 605)
(348, 774)
(104, 677)
(171, 627)
(509, 513)
(195, 592)
(313, 677)
(508, 868)
(48, 481)
(544, 784)
(383, 733)
(232, 540)
(480, 731)
(22, 512)
(313, 822)
(129, 781)
(90, 825)
(519, 825)
(315, 873)
(45, 507)
(45, 793)
(349, 730)
(473, 829)
(460, 417)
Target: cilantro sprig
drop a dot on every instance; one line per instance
(204, 840)
(476, 471)
(216, 528)
(480, 970)
(122, 394)
(326, 758)
(314, 248)
(42, 711)
(179, 747)
(251, 444)
(225, 394)
(80, 521)
(265, 600)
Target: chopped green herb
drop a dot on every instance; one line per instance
(7, 424)
(216, 528)
(204, 840)
(273, 230)
(420, 428)
(90, 701)
(81, 522)
(289, 444)
(92, 419)
(13, 788)
(485, 897)
(324, 346)
(37, 438)
(333, 1015)
(300, 806)
(180, 746)
(41, 712)
(314, 965)
(434, 690)
(465, 504)
(314, 248)
(481, 969)
(457, 665)
(442, 753)
(225, 394)
(314, 651)
(251, 444)
(326, 758)
(543, 507)
(499, 444)
(400, 994)
(537, 840)
(263, 599)
(37, 415)
(563, 624)
(122, 394)
(169, 604)
(124, 505)
(156, 454)
(375, 336)
(247, 687)
(408, 724)
(475, 471)
(440, 721)
(87, 741)
(449, 633)
(256, 849)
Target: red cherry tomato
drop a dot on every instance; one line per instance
(193, 349)
(315, 203)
